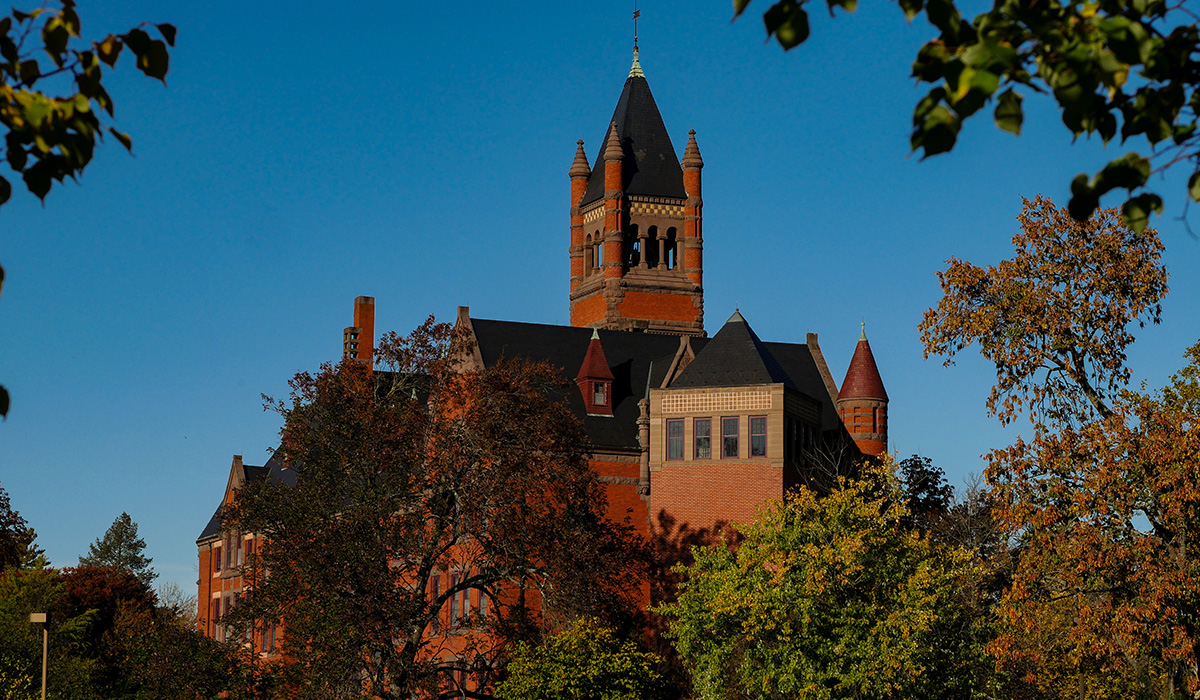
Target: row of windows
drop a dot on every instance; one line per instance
(267, 638)
(655, 249)
(235, 550)
(729, 445)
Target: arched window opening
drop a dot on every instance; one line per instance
(632, 250)
(652, 249)
(599, 255)
(588, 259)
(672, 251)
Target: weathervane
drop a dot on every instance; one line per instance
(636, 13)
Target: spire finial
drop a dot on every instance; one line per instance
(635, 71)
(863, 335)
(595, 334)
(579, 168)
(691, 154)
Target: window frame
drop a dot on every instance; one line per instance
(671, 423)
(763, 435)
(696, 436)
(737, 447)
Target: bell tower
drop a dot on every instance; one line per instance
(636, 236)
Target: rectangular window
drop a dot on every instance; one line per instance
(216, 559)
(675, 438)
(454, 622)
(435, 590)
(600, 394)
(483, 605)
(758, 436)
(729, 437)
(703, 428)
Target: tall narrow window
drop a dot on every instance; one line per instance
(216, 559)
(435, 590)
(729, 437)
(483, 605)
(703, 427)
(600, 393)
(758, 436)
(453, 603)
(675, 438)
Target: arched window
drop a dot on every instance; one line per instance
(652, 250)
(632, 249)
(672, 253)
(588, 260)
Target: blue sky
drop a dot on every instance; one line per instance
(303, 154)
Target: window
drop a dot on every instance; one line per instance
(703, 428)
(454, 610)
(758, 436)
(483, 605)
(216, 558)
(729, 437)
(435, 590)
(675, 438)
(600, 393)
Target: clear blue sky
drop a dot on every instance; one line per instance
(305, 153)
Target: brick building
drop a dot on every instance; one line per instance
(689, 432)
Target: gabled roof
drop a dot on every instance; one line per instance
(651, 166)
(272, 470)
(862, 376)
(734, 357)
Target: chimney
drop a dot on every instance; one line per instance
(358, 341)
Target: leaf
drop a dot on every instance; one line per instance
(1194, 186)
(1136, 211)
(5, 193)
(168, 30)
(1083, 199)
(788, 23)
(15, 152)
(38, 178)
(123, 138)
(154, 60)
(4, 402)
(1009, 115)
(109, 49)
(30, 71)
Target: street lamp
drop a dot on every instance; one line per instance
(41, 617)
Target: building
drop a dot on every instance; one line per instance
(689, 432)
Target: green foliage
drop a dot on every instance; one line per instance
(828, 597)
(1112, 66)
(585, 662)
(16, 537)
(120, 547)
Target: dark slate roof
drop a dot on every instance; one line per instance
(798, 362)
(272, 470)
(651, 166)
(734, 357)
(629, 357)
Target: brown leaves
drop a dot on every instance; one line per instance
(1054, 318)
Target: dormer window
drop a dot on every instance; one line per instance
(600, 393)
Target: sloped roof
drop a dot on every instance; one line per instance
(651, 166)
(595, 362)
(862, 376)
(272, 470)
(734, 357)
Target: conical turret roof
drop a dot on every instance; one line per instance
(734, 357)
(651, 166)
(862, 377)
(595, 364)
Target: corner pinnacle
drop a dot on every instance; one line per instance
(635, 71)
(580, 168)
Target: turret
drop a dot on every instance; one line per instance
(595, 379)
(580, 172)
(862, 403)
(693, 242)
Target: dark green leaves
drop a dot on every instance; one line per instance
(5, 193)
(1008, 114)
(1136, 211)
(1194, 186)
(788, 23)
(4, 402)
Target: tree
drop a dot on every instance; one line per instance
(1109, 64)
(1108, 583)
(50, 131)
(16, 537)
(584, 662)
(426, 502)
(1055, 318)
(926, 493)
(120, 547)
(827, 597)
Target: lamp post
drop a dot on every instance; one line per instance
(41, 617)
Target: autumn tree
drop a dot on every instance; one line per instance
(828, 597)
(583, 662)
(1108, 512)
(1126, 67)
(436, 516)
(120, 547)
(1054, 319)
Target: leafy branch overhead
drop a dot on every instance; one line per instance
(1124, 68)
(51, 132)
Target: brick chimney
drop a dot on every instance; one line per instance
(358, 341)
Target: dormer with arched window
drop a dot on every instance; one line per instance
(595, 379)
